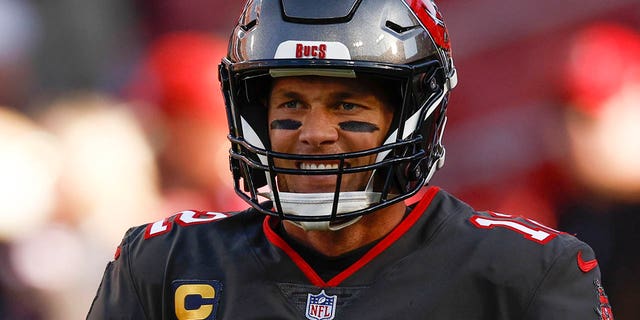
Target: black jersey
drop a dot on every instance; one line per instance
(443, 261)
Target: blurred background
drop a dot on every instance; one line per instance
(111, 116)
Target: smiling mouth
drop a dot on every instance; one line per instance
(319, 166)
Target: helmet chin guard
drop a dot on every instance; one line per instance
(393, 42)
(321, 204)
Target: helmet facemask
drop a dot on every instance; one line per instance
(402, 164)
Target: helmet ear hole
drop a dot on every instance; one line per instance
(425, 84)
(416, 170)
(429, 83)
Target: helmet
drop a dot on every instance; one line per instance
(402, 42)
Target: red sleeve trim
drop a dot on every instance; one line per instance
(385, 243)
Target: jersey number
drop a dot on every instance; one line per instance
(530, 229)
(184, 218)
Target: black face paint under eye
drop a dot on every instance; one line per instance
(285, 124)
(358, 126)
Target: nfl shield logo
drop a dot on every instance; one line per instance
(321, 306)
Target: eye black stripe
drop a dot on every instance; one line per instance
(358, 126)
(353, 126)
(285, 124)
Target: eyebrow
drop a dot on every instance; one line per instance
(290, 95)
(340, 95)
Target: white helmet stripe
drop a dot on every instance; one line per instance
(410, 125)
(252, 137)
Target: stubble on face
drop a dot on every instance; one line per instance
(316, 115)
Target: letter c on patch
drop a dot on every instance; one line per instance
(196, 299)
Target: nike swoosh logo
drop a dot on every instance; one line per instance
(586, 266)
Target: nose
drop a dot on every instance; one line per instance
(318, 128)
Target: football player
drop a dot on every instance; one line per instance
(336, 111)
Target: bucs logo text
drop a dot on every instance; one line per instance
(321, 306)
(311, 51)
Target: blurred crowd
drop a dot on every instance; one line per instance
(111, 116)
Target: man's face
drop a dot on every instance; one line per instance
(323, 115)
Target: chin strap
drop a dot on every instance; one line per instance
(324, 225)
(321, 204)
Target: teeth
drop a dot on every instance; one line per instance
(317, 166)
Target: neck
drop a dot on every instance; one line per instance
(368, 229)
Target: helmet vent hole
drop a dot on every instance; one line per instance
(249, 25)
(398, 28)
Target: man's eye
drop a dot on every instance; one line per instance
(348, 106)
(291, 104)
